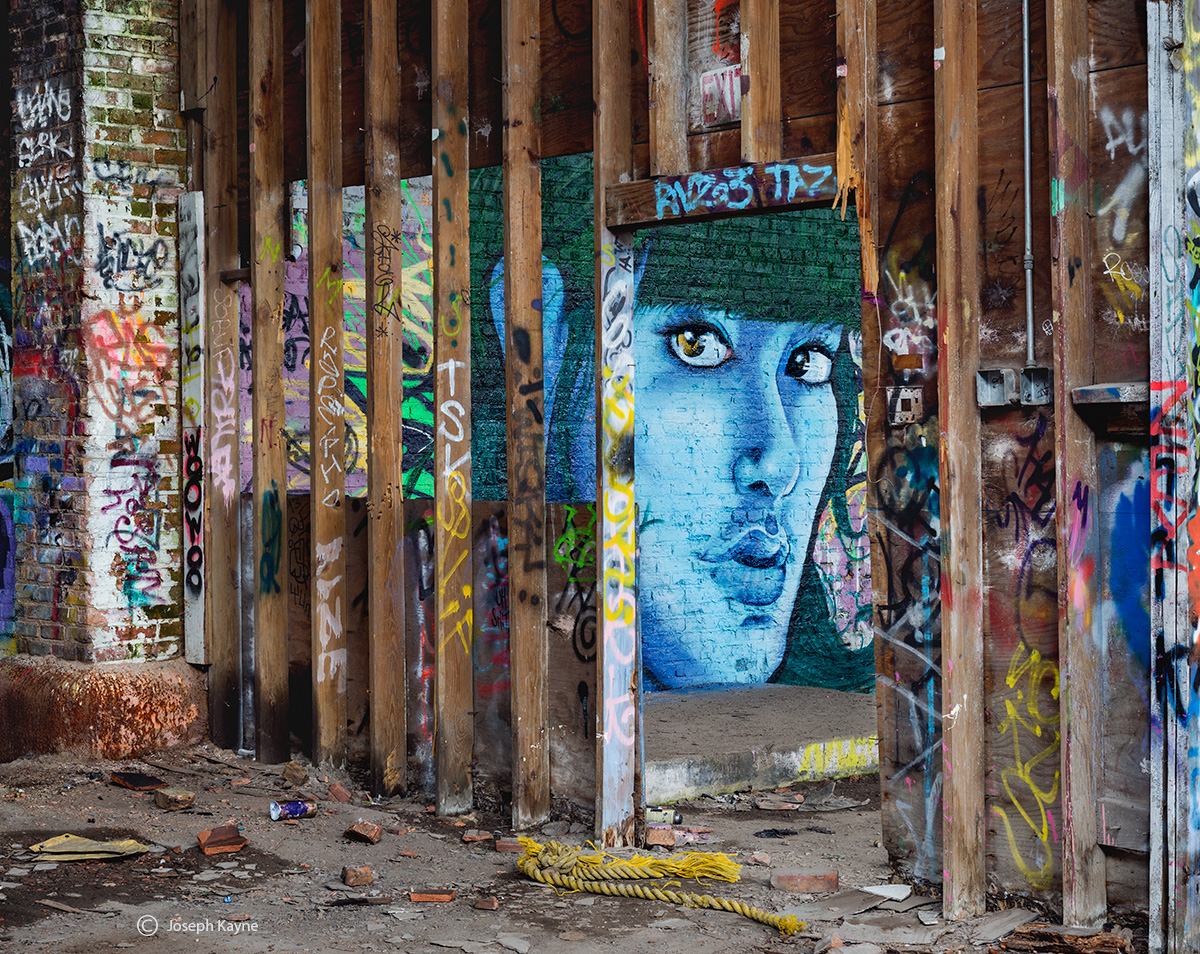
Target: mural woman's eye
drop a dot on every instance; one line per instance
(699, 346)
(809, 366)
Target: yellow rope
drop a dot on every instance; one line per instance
(567, 867)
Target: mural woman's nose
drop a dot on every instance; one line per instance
(767, 463)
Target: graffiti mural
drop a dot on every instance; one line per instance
(747, 337)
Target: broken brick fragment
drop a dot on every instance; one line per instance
(487, 903)
(356, 876)
(805, 880)
(365, 831)
(338, 793)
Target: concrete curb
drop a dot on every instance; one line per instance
(770, 767)
(108, 710)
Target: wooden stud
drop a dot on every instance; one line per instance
(194, 514)
(695, 197)
(385, 396)
(1080, 636)
(192, 65)
(268, 233)
(1172, 474)
(222, 587)
(454, 727)
(526, 432)
(956, 157)
(323, 51)
(762, 106)
(668, 87)
(617, 656)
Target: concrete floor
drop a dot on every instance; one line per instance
(723, 740)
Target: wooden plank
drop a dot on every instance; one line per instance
(453, 725)
(192, 65)
(222, 557)
(268, 235)
(617, 662)
(325, 367)
(1076, 479)
(696, 196)
(762, 107)
(667, 32)
(1172, 469)
(385, 394)
(956, 156)
(192, 324)
(525, 405)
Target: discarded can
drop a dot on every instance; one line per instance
(657, 815)
(303, 808)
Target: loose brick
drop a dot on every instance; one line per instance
(357, 876)
(433, 895)
(805, 880)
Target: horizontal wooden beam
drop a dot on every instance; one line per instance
(696, 196)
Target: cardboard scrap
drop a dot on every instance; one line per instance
(75, 848)
(996, 924)
(887, 927)
(219, 841)
(138, 781)
(835, 907)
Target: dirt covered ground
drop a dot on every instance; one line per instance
(283, 892)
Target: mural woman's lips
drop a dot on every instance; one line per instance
(752, 568)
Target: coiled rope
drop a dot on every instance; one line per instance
(567, 867)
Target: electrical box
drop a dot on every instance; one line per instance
(905, 405)
(1037, 385)
(996, 387)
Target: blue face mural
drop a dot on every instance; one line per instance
(750, 475)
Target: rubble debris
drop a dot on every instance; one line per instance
(138, 781)
(59, 906)
(222, 840)
(433, 895)
(657, 835)
(513, 942)
(892, 892)
(294, 774)
(823, 800)
(888, 928)
(512, 845)
(366, 831)
(913, 901)
(805, 880)
(996, 924)
(760, 858)
(173, 799)
(357, 876)
(779, 804)
(1040, 936)
(475, 834)
(338, 792)
(827, 943)
(487, 902)
(75, 848)
(409, 853)
(834, 908)
(928, 917)
(359, 899)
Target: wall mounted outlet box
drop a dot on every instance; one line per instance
(996, 387)
(1037, 385)
(905, 405)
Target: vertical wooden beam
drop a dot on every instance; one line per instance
(385, 394)
(526, 430)
(268, 231)
(223, 489)
(617, 657)
(668, 87)
(327, 454)
(454, 731)
(762, 105)
(956, 157)
(1080, 637)
(1172, 466)
(194, 514)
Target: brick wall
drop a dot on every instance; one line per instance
(99, 161)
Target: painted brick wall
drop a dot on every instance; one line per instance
(49, 369)
(134, 168)
(99, 152)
